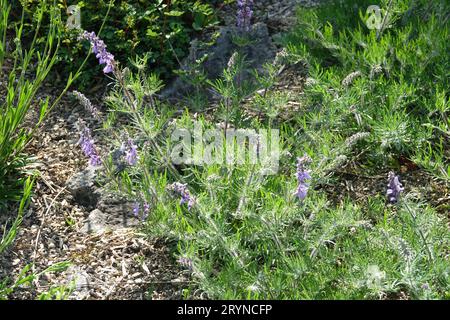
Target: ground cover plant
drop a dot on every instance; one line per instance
(246, 235)
(162, 28)
(348, 198)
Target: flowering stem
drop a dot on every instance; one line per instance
(385, 19)
(72, 79)
(247, 185)
(140, 120)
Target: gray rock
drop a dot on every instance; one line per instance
(113, 212)
(95, 223)
(118, 210)
(109, 211)
(82, 187)
(81, 281)
(259, 51)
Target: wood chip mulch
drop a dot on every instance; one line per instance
(115, 264)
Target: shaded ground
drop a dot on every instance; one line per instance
(417, 183)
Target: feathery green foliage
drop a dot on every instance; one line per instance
(372, 98)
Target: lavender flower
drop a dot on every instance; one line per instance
(87, 145)
(146, 210)
(130, 150)
(302, 177)
(86, 103)
(99, 49)
(244, 14)
(425, 286)
(182, 190)
(394, 187)
(136, 209)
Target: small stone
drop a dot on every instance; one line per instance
(81, 186)
(94, 223)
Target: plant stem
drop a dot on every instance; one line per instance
(385, 19)
(413, 216)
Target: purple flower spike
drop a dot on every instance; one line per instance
(99, 49)
(86, 103)
(87, 145)
(130, 150)
(394, 188)
(146, 211)
(183, 191)
(136, 208)
(108, 68)
(302, 191)
(303, 177)
(244, 14)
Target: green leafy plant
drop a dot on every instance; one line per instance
(20, 95)
(161, 28)
(26, 278)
